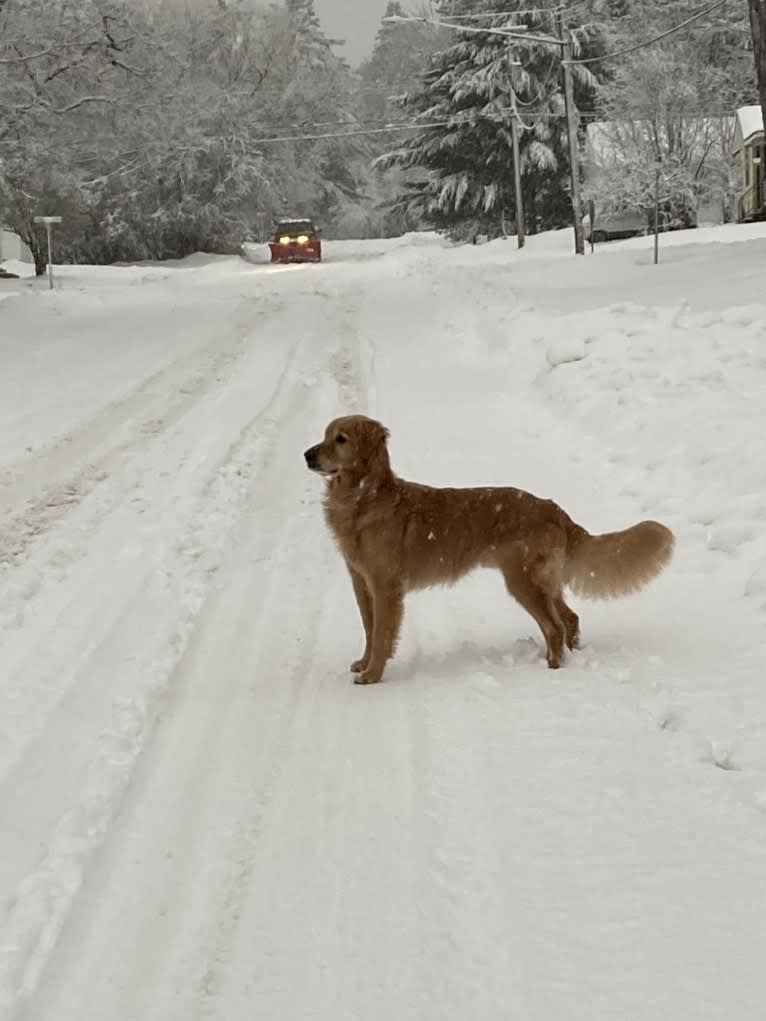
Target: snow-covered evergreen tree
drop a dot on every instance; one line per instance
(462, 160)
(400, 54)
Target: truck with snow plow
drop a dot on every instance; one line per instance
(296, 240)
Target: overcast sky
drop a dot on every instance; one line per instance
(356, 21)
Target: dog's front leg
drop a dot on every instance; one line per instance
(364, 602)
(388, 608)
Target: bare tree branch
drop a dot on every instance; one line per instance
(81, 102)
(22, 58)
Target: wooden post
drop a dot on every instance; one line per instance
(574, 154)
(520, 225)
(656, 216)
(48, 230)
(48, 222)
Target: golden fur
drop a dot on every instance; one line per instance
(396, 536)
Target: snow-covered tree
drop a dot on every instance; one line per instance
(717, 44)
(667, 109)
(63, 65)
(400, 55)
(146, 122)
(757, 10)
(471, 92)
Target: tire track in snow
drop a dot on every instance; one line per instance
(28, 699)
(59, 477)
(342, 863)
(246, 610)
(353, 368)
(39, 907)
(255, 817)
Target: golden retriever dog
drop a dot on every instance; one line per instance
(396, 536)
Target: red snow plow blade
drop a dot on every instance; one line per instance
(296, 241)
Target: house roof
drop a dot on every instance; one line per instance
(749, 122)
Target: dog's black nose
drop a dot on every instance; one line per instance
(311, 457)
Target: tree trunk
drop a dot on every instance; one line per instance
(530, 205)
(38, 249)
(32, 238)
(758, 26)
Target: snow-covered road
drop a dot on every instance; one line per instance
(202, 818)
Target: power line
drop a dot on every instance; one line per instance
(452, 122)
(516, 32)
(507, 14)
(388, 129)
(656, 39)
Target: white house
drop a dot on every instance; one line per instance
(12, 247)
(749, 151)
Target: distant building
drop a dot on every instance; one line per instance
(749, 151)
(12, 247)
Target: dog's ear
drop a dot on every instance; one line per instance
(379, 433)
(373, 447)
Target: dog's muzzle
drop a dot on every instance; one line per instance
(312, 459)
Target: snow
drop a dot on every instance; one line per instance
(750, 121)
(203, 818)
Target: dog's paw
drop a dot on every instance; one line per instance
(367, 677)
(358, 666)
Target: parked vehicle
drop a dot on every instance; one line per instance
(629, 223)
(615, 226)
(296, 241)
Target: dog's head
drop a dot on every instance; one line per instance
(354, 446)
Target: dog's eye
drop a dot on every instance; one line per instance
(340, 438)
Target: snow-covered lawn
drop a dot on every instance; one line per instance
(202, 818)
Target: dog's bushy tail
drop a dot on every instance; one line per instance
(616, 563)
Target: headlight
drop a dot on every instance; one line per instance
(285, 239)
(303, 239)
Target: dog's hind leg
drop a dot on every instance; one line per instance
(388, 610)
(532, 579)
(571, 623)
(542, 607)
(364, 602)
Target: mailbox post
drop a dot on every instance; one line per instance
(49, 221)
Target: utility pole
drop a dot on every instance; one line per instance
(574, 153)
(520, 226)
(657, 216)
(519, 200)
